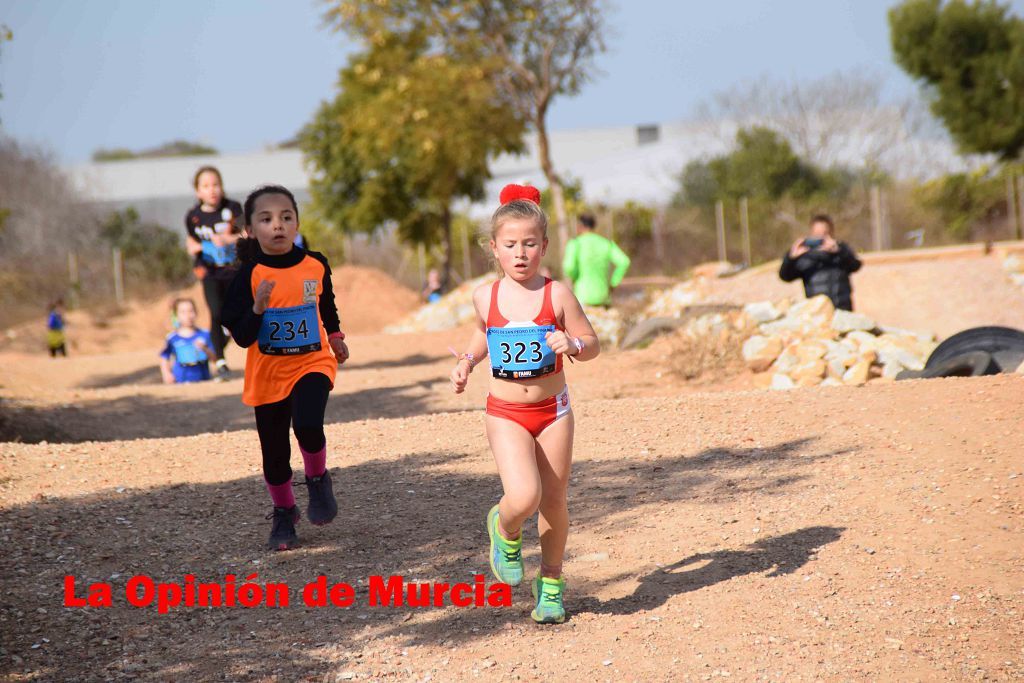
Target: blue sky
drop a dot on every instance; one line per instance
(241, 74)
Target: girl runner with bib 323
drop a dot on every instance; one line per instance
(527, 322)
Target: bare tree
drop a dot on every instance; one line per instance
(41, 221)
(41, 215)
(548, 48)
(845, 118)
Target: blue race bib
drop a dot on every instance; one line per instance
(218, 256)
(289, 331)
(520, 352)
(186, 352)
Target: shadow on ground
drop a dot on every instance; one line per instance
(146, 375)
(419, 515)
(154, 417)
(778, 555)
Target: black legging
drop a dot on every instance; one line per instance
(215, 289)
(303, 410)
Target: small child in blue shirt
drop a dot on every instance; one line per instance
(186, 356)
(55, 339)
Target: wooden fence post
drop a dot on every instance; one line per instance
(421, 252)
(1011, 206)
(745, 226)
(876, 217)
(720, 229)
(118, 277)
(467, 268)
(75, 286)
(658, 234)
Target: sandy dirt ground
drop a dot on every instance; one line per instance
(367, 299)
(872, 533)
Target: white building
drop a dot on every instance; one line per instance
(640, 163)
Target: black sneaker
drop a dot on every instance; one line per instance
(223, 372)
(282, 534)
(323, 508)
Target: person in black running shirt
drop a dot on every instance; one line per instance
(213, 227)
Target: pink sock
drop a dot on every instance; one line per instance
(315, 464)
(281, 494)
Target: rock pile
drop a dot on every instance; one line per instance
(454, 309)
(608, 323)
(810, 342)
(671, 302)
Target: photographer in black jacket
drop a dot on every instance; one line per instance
(822, 263)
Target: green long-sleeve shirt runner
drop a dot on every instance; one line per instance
(588, 259)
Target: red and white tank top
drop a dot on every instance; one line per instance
(509, 361)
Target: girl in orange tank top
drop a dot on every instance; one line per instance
(529, 420)
(281, 307)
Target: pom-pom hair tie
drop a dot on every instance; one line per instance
(510, 193)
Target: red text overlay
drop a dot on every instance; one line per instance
(390, 591)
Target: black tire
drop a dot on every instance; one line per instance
(1009, 360)
(988, 339)
(973, 364)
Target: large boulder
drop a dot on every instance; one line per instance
(787, 360)
(810, 317)
(862, 340)
(808, 374)
(763, 312)
(843, 353)
(859, 373)
(816, 306)
(847, 321)
(759, 352)
(674, 300)
(900, 351)
(837, 368)
(810, 350)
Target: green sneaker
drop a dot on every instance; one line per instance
(547, 592)
(506, 556)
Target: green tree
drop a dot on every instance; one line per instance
(572, 196)
(965, 202)
(970, 59)
(114, 154)
(410, 132)
(149, 250)
(542, 49)
(175, 148)
(762, 166)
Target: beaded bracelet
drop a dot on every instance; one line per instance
(336, 335)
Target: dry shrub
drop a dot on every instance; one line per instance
(709, 358)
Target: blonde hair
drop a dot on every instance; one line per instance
(519, 209)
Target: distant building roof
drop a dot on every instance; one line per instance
(640, 163)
